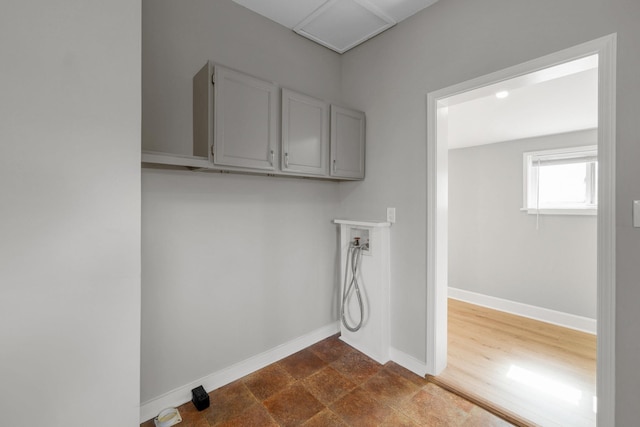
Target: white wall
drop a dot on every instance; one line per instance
(70, 209)
(495, 249)
(454, 41)
(233, 265)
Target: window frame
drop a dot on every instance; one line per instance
(530, 181)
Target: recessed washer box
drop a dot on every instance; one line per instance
(362, 234)
(374, 280)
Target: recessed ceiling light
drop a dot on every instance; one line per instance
(502, 94)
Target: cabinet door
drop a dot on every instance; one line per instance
(245, 120)
(347, 143)
(305, 134)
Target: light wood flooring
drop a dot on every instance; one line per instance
(530, 372)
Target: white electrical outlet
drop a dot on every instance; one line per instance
(636, 213)
(391, 215)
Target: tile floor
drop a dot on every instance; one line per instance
(331, 384)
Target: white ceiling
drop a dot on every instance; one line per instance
(337, 24)
(555, 100)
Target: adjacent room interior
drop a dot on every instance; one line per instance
(522, 240)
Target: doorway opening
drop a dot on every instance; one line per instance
(437, 197)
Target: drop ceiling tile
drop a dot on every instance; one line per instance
(337, 24)
(284, 12)
(343, 24)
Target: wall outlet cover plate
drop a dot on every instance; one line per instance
(391, 215)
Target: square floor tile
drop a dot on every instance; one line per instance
(327, 385)
(268, 381)
(389, 388)
(228, 402)
(405, 373)
(302, 364)
(358, 408)
(293, 406)
(331, 349)
(356, 366)
(397, 419)
(427, 408)
(325, 418)
(191, 416)
(255, 416)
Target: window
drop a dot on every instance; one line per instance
(561, 181)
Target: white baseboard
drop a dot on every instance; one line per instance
(559, 318)
(217, 379)
(408, 362)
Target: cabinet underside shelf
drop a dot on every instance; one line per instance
(160, 160)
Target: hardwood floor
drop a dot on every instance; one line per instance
(531, 372)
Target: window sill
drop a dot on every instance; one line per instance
(566, 211)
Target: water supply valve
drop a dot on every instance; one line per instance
(359, 238)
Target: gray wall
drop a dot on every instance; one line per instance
(69, 172)
(388, 78)
(70, 209)
(232, 265)
(495, 249)
(454, 41)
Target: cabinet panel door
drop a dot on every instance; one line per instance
(245, 120)
(347, 142)
(305, 129)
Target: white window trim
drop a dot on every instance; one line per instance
(529, 179)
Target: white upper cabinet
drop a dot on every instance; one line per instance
(237, 122)
(245, 121)
(347, 143)
(305, 134)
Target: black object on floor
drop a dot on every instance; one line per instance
(200, 398)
